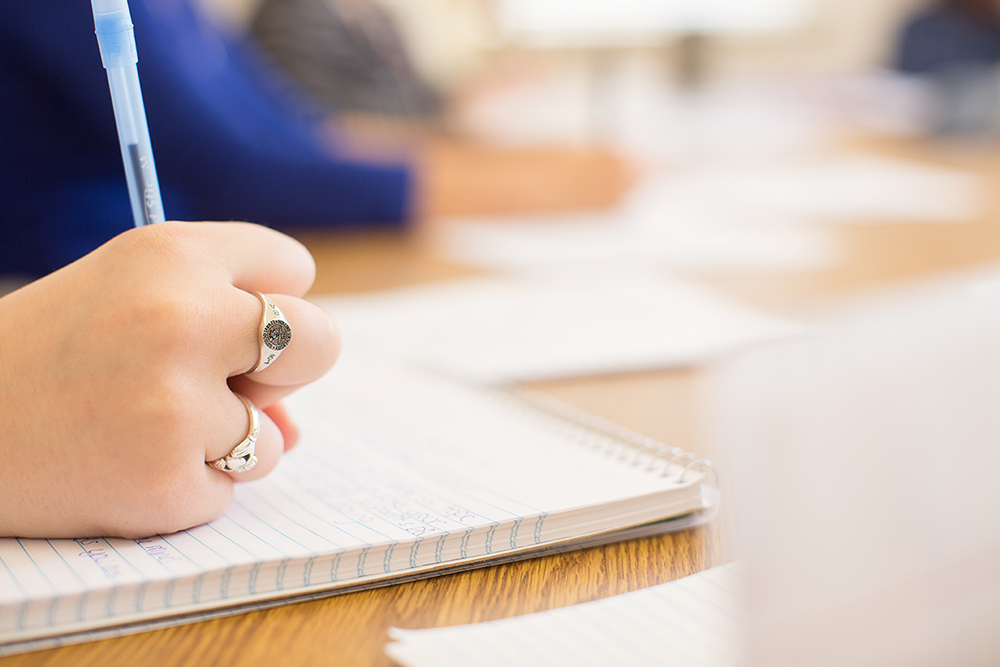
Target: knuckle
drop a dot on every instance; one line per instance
(176, 504)
(165, 242)
(305, 265)
(173, 499)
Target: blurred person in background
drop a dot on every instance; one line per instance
(955, 45)
(348, 55)
(234, 139)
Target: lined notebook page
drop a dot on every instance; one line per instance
(396, 470)
(692, 622)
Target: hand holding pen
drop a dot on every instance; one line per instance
(113, 24)
(128, 373)
(141, 366)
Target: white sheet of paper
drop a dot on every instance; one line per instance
(553, 326)
(863, 462)
(675, 236)
(696, 621)
(843, 189)
(760, 215)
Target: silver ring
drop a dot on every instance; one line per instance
(242, 458)
(274, 336)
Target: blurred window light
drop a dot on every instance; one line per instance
(606, 20)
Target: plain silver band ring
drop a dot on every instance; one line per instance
(273, 336)
(242, 458)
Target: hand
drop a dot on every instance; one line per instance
(117, 376)
(461, 179)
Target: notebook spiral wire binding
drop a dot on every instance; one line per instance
(612, 436)
(597, 431)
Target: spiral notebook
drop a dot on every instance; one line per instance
(401, 473)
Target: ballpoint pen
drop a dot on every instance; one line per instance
(113, 24)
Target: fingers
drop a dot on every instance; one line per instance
(232, 431)
(312, 351)
(264, 395)
(258, 259)
(289, 430)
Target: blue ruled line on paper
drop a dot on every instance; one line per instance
(335, 566)
(489, 538)
(538, 527)
(224, 583)
(307, 570)
(731, 570)
(252, 579)
(210, 526)
(413, 552)
(125, 560)
(51, 616)
(22, 613)
(51, 585)
(361, 561)
(279, 579)
(439, 549)
(387, 560)
(513, 532)
(464, 546)
(194, 537)
(81, 605)
(682, 588)
(24, 593)
(168, 593)
(79, 579)
(196, 587)
(334, 525)
(682, 644)
(390, 464)
(304, 510)
(140, 595)
(112, 596)
(141, 543)
(283, 534)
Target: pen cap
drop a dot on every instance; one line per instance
(113, 25)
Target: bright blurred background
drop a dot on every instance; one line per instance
(451, 38)
(755, 130)
(616, 71)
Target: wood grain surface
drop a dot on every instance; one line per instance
(351, 629)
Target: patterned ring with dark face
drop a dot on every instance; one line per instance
(277, 335)
(274, 333)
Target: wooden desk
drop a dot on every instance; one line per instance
(351, 629)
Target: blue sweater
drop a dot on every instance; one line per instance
(229, 142)
(941, 39)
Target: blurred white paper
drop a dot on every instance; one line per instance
(841, 189)
(537, 327)
(628, 17)
(863, 460)
(692, 622)
(726, 218)
(669, 235)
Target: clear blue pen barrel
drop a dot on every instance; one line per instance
(137, 152)
(113, 26)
